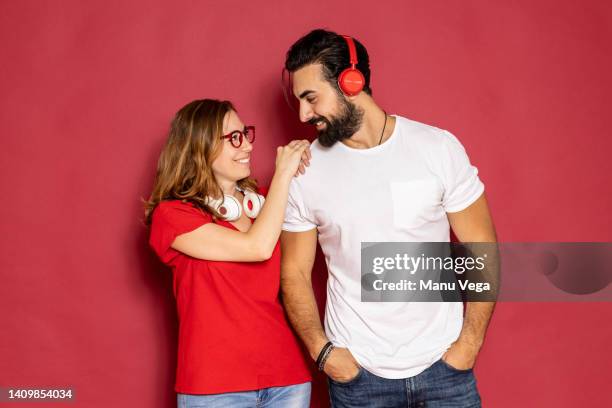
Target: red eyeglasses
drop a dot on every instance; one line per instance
(237, 136)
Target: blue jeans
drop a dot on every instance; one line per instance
(439, 386)
(290, 396)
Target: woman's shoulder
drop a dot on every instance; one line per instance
(166, 204)
(169, 208)
(171, 205)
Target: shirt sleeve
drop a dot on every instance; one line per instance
(263, 190)
(462, 186)
(171, 219)
(297, 217)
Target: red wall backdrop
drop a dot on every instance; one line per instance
(89, 88)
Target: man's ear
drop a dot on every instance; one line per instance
(352, 98)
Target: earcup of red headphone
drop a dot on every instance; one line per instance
(252, 204)
(351, 81)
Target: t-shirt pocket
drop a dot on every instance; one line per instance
(415, 203)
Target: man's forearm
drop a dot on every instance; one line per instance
(302, 311)
(478, 313)
(475, 323)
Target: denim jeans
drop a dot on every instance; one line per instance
(439, 386)
(290, 396)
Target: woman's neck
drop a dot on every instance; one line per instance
(228, 187)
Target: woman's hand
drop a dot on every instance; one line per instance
(304, 161)
(293, 158)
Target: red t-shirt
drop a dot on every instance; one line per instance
(233, 334)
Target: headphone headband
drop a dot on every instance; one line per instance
(352, 50)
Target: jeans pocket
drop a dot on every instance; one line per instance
(349, 382)
(456, 370)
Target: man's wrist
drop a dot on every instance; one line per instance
(324, 355)
(471, 342)
(316, 349)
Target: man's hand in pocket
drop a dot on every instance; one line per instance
(341, 366)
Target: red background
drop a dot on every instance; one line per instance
(88, 91)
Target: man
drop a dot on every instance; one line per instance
(377, 178)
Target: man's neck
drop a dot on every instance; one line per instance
(373, 122)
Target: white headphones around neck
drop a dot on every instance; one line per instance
(231, 210)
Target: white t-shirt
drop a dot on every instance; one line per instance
(400, 190)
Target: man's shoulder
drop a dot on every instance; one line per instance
(423, 137)
(421, 133)
(316, 148)
(323, 160)
(324, 156)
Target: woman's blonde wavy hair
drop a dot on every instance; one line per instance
(184, 168)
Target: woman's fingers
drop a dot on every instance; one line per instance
(293, 143)
(303, 145)
(296, 152)
(299, 143)
(306, 157)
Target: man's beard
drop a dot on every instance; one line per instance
(340, 127)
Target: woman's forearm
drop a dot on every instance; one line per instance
(265, 231)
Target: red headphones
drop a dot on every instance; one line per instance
(351, 81)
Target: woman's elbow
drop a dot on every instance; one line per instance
(264, 252)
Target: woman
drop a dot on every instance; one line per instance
(235, 346)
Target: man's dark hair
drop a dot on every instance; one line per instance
(331, 51)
